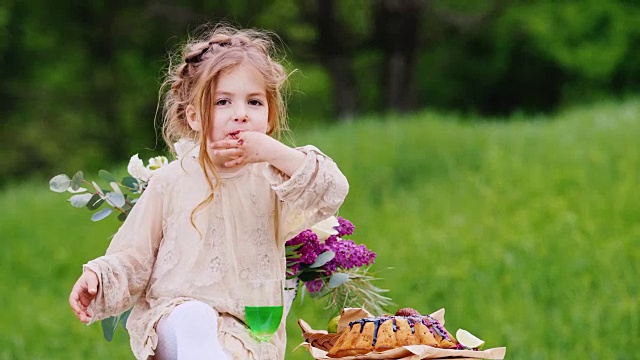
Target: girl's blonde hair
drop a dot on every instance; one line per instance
(191, 80)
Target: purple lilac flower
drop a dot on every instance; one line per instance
(310, 249)
(292, 269)
(348, 254)
(301, 238)
(330, 267)
(314, 285)
(345, 227)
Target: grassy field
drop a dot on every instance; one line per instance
(526, 231)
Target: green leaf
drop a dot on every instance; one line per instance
(77, 180)
(101, 214)
(289, 277)
(127, 207)
(291, 254)
(107, 176)
(124, 317)
(115, 187)
(130, 182)
(291, 249)
(96, 187)
(115, 199)
(109, 326)
(337, 279)
(95, 202)
(291, 262)
(123, 216)
(80, 200)
(323, 258)
(302, 296)
(59, 183)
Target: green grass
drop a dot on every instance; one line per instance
(526, 231)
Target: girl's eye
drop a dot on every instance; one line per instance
(222, 102)
(255, 102)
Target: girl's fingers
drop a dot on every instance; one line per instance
(226, 144)
(85, 316)
(80, 310)
(83, 292)
(227, 153)
(74, 297)
(83, 313)
(74, 303)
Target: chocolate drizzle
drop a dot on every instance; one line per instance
(375, 321)
(437, 327)
(432, 324)
(412, 324)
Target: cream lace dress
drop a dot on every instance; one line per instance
(158, 260)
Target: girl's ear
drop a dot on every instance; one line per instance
(192, 118)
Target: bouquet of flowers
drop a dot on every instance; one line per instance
(333, 267)
(326, 264)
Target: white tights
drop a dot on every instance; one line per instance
(190, 332)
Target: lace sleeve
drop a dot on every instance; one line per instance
(124, 270)
(313, 193)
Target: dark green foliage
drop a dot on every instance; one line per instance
(80, 81)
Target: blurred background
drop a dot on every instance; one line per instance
(80, 81)
(491, 146)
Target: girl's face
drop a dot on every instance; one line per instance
(240, 102)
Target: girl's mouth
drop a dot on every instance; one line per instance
(234, 134)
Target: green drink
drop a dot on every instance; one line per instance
(263, 320)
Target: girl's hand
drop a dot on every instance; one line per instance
(253, 147)
(244, 148)
(83, 293)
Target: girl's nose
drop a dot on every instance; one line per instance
(241, 119)
(240, 116)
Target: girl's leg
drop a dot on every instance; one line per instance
(190, 332)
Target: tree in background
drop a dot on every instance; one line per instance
(334, 46)
(397, 36)
(80, 80)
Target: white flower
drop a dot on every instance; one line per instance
(137, 170)
(156, 163)
(184, 147)
(326, 228)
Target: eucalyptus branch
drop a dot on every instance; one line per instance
(102, 196)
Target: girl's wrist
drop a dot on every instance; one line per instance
(87, 271)
(284, 158)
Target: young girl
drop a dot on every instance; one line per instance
(216, 219)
